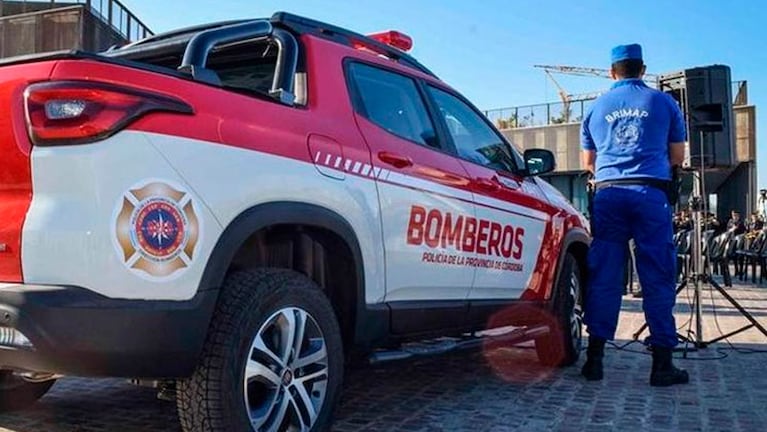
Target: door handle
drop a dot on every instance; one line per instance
(394, 159)
(487, 185)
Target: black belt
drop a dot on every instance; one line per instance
(651, 182)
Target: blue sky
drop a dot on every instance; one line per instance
(486, 48)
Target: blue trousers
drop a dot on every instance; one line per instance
(621, 213)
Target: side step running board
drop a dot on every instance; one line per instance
(444, 345)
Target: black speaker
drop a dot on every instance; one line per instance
(705, 96)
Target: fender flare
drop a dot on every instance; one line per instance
(574, 236)
(246, 224)
(261, 216)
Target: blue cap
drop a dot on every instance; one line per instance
(626, 52)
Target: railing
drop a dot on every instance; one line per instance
(539, 115)
(111, 12)
(114, 13)
(554, 113)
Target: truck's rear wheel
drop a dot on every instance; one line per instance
(273, 359)
(17, 393)
(562, 346)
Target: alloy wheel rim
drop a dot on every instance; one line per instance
(576, 315)
(286, 373)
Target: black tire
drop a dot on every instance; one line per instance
(214, 398)
(562, 346)
(16, 393)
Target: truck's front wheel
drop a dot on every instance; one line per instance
(273, 359)
(562, 346)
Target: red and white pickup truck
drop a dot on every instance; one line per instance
(240, 208)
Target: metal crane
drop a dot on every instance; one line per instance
(587, 72)
(567, 98)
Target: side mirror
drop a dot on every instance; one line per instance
(539, 161)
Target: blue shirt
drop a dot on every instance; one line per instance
(630, 128)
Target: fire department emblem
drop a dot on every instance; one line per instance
(157, 230)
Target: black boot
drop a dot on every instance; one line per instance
(592, 369)
(664, 373)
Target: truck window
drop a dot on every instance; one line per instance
(392, 101)
(474, 139)
(245, 67)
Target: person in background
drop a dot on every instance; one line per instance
(735, 223)
(761, 204)
(711, 223)
(755, 223)
(685, 221)
(678, 221)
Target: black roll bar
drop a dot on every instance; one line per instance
(285, 72)
(199, 47)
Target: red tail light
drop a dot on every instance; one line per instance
(80, 112)
(394, 38)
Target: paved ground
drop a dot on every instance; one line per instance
(491, 390)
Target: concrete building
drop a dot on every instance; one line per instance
(28, 27)
(555, 128)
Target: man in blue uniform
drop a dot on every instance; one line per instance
(631, 139)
